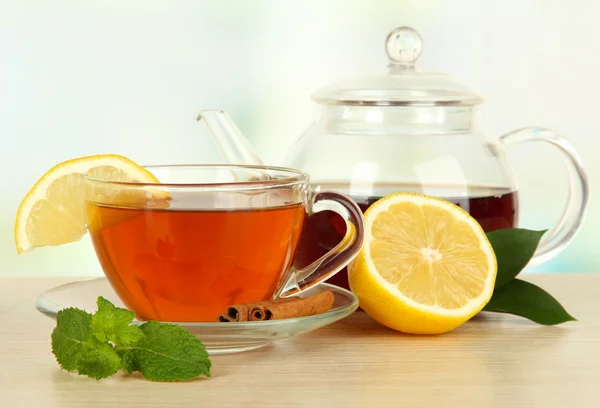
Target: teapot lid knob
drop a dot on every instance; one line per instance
(400, 84)
(403, 46)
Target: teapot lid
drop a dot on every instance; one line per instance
(400, 84)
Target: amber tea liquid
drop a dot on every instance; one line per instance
(493, 208)
(189, 265)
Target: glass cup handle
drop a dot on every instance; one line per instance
(340, 256)
(556, 239)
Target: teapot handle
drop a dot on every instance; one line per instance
(556, 239)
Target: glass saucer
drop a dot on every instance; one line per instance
(218, 338)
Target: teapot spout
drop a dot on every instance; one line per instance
(232, 144)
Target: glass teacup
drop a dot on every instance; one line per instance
(210, 236)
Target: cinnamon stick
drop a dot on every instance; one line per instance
(279, 308)
(258, 311)
(236, 313)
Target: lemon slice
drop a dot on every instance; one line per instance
(52, 212)
(426, 266)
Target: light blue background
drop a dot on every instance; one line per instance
(127, 77)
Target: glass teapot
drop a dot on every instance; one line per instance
(407, 130)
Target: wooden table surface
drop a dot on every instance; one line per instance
(492, 361)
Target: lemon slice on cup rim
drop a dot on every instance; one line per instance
(52, 212)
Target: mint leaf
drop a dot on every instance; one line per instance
(128, 363)
(99, 362)
(168, 352)
(71, 336)
(529, 301)
(112, 323)
(77, 349)
(514, 248)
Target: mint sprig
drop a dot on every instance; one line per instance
(514, 248)
(99, 345)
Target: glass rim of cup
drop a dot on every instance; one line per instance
(293, 177)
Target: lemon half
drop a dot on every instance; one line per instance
(426, 266)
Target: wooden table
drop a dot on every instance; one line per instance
(492, 361)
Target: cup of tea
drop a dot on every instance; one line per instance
(210, 236)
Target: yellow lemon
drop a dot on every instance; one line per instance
(426, 266)
(52, 212)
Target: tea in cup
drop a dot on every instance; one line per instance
(210, 236)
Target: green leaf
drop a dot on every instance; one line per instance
(71, 336)
(168, 352)
(128, 363)
(112, 323)
(99, 362)
(528, 300)
(514, 248)
(77, 349)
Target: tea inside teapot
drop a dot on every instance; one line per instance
(494, 208)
